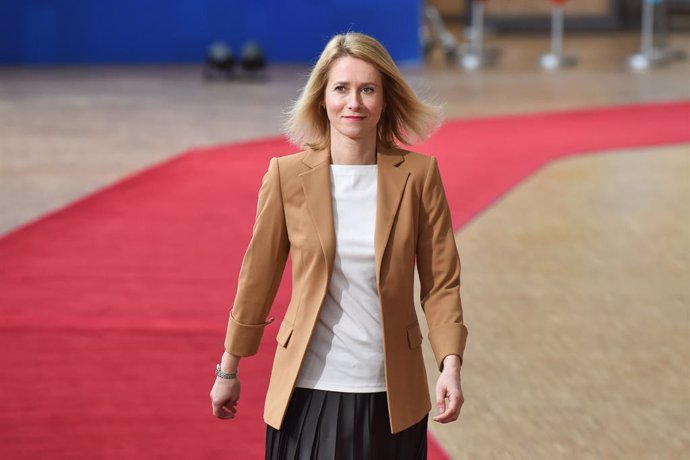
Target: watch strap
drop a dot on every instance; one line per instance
(226, 375)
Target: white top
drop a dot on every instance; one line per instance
(346, 351)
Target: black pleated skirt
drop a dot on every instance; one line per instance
(329, 425)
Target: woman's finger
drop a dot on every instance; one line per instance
(453, 406)
(452, 409)
(445, 416)
(441, 398)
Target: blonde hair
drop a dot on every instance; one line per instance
(406, 119)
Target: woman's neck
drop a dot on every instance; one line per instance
(346, 151)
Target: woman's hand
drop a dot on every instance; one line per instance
(225, 393)
(448, 387)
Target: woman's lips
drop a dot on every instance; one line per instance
(354, 118)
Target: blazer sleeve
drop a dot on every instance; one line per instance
(262, 269)
(438, 265)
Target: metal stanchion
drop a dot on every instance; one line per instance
(555, 59)
(651, 55)
(475, 54)
(438, 33)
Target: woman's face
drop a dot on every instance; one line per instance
(353, 98)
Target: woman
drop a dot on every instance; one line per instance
(355, 212)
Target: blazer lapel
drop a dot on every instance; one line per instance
(391, 184)
(316, 183)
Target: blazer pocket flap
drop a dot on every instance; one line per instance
(284, 334)
(414, 335)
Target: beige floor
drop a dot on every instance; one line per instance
(575, 284)
(577, 296)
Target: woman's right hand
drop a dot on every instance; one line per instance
(225, 393)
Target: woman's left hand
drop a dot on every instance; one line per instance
(448, 387)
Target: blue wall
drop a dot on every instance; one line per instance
(142, 31)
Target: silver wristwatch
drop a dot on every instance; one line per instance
(226, 375)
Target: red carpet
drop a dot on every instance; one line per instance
(114, 308)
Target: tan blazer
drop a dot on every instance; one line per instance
(294, 215)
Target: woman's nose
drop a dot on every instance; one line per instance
(353, 100)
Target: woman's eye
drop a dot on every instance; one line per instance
(368, 90)
(339, 88)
